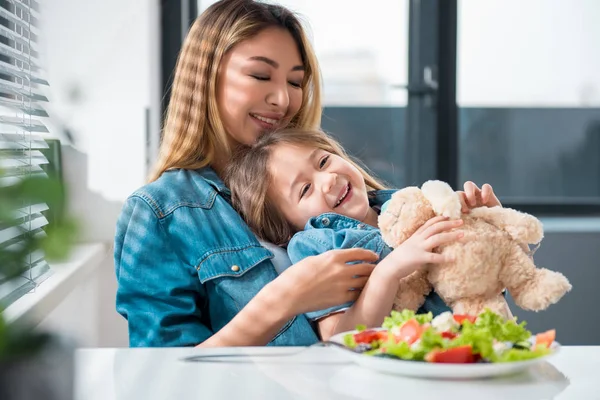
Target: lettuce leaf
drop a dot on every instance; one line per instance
(521, 355)
(349, 340)
(401, 350)
(431, 339)
(480, 339)
(397, 318)
(501, 330)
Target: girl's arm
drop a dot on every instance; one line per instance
(377, 297)
(372, 306)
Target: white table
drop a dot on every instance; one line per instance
(310, 373)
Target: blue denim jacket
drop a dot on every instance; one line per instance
(186, 263)
(334, 231)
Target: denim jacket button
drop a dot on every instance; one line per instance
(325, 221)
(361, 226)
(235, 268)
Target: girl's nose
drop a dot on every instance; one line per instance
(328, 181)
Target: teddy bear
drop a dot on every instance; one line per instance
(491, 257)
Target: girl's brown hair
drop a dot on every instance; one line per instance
(193, 133)
(248, 177)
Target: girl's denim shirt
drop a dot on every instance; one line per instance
(332, 231)
(186, 263)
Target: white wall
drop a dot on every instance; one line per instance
(108, 52)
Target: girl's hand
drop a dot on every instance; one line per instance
(418, 249)
(327, 280)
(473, 197)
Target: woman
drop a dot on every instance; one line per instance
(189, 271)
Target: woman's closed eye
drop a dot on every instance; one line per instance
(261, 77)
(295, 84)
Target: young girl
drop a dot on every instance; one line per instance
(298, 187)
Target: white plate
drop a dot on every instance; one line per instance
(421, 369)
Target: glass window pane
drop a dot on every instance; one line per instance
(529, 97)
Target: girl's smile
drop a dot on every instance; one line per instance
(345, 195)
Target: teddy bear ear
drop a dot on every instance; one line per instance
(442, 198)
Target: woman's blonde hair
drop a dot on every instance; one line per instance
(248, 177)
(193, 132)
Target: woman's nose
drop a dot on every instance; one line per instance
(279, 96)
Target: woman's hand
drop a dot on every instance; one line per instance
(418, 249)
(327, 280)
(473, 197)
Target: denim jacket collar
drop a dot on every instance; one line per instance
(336, 221)
(378, 197)
(211, 177)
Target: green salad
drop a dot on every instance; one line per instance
(451, 338)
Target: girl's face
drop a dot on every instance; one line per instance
(308, 182)
(259, 87)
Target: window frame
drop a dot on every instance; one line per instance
(443, 14)
(432, 113)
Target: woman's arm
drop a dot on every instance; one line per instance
(157, 293)
(313, 283)
(161, 296)
(258, 322)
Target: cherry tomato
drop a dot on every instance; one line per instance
(457, 355)
(369, 336)
(410, 331)
(545, 338)
(460, 318)
(448, 335)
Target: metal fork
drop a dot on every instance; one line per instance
(216, 358)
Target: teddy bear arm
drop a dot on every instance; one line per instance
(522, 227)
(530, 287)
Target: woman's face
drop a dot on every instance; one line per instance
(259, 87)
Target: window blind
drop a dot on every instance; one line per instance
(21, 146)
